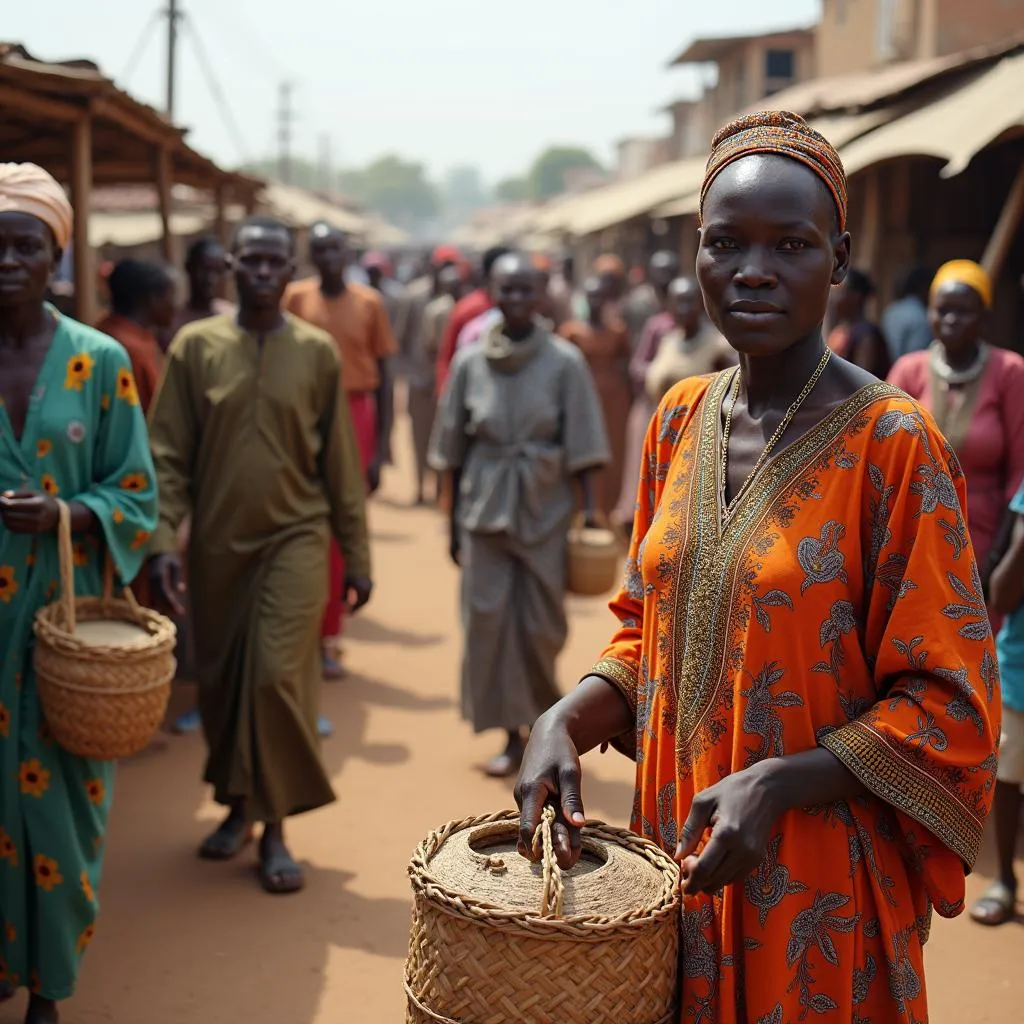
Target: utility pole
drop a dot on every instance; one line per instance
(174, 16)
(285, 117)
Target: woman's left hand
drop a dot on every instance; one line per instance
(29, 512)
(740, 812)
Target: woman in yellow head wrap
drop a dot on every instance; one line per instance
(974, 392)
(802, 666)
(71, 428)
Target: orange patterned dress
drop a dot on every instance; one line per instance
(840, 607)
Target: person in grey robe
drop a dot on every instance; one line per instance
(519, 424)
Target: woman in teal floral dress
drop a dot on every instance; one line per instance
(70, 427)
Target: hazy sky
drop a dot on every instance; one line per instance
(444, 81)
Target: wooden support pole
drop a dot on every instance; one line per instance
(81, 200)
(162, 156)
(1006, 228)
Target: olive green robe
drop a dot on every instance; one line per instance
(252, 438)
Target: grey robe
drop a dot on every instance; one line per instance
(519, 434)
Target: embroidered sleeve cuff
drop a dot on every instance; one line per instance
(622, 676)
(875, 759)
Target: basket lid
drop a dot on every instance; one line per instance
(110, 633)
(610, 878)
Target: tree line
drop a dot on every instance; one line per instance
(402, 191)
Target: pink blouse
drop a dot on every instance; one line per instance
(992, 454)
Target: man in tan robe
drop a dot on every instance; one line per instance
(252, 438)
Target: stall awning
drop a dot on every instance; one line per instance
(954, 127)
(302, 209)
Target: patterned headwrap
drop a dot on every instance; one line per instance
(780, 133)
(26, 188)
(967, 272)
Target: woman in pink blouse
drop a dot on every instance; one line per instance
(974, 391)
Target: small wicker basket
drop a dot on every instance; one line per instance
(595, 556)
(103, 665)
(498, 940)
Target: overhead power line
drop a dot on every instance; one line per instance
(145, 37)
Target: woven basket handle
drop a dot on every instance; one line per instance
(126, 592)
(543, 842)
(66, 555)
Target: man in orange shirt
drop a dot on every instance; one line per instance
(355, 316)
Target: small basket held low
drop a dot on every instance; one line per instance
(103, 665)
(595, 557)
(498, 940)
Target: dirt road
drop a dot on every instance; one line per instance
(183, 941)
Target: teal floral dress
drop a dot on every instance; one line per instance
(84, 440)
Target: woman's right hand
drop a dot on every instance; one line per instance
(551, 774)
(168, 581)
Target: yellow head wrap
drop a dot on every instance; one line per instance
(778, 133)
(26, 188)
(967, 272)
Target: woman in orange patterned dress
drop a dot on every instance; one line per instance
(803, 668)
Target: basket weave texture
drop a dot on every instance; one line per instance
(595, 556)
(498, 940)
(103, 689)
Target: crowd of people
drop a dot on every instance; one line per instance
(802, 667)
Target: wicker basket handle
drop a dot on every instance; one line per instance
(554, 891)
(66, 555)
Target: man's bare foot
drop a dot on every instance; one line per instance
(230, 838)
(279, 872)
(41, 1011)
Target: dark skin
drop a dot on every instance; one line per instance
(597, 299)
(516, 292)
(770, 251)
(28, 258)
(329, 253)
(958, 319)
(205, 278)
(662, 271)
(868, 346)
(155, 312)
(686, 304)
(263, 265)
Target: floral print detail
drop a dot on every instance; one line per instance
(87, 888)
(8, 583)
(80, 556)
(35, 983)
(820, 557)
(126, 389)
(48, 875)
(5, 721)
(134, 482)
(43, 448)
(34, 778)
(971, 606)
(841, 622)
(76, 431)
(810, 932)
(141, 539)
(105, 403)
(772, 599)
(761, 718)
(118, 516)
(8, 851)
(85, 938)
(771, 883)
(96, 791)
(49, 484)
(12, 933)
(79, 371)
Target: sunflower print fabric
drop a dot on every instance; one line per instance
(54, 806)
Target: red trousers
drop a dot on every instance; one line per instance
(363, 407)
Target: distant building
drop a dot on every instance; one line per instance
(856, 35)
(749, 68)
(638, 154)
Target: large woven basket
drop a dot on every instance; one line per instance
(103, 665)
(498, 940)
(595, 556)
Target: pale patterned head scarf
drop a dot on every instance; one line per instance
(27, 188)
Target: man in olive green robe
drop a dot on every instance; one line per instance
(252, 439)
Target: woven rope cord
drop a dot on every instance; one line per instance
(593, 927)
(553, 892)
